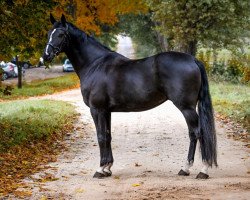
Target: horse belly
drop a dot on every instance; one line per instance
(133, 102)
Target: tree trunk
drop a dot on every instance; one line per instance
(19, 76)
(161, 41)
(189, 47)
(192, 48)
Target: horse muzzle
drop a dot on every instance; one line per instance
(47, 57)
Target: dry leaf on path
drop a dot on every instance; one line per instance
(22, 193)
(43, 198)
(79, 190)
(116, 177)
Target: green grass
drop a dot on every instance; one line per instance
(43, 87)
(232, 100)
(25, 121)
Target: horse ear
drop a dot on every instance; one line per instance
(63, 20)
(52, 19)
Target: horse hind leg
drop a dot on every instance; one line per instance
(191, 118)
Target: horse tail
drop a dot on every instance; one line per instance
(208, 141)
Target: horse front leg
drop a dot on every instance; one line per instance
(102, 121)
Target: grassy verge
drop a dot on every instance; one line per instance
(43, 87)
(233, 101)
(22, 121)
(29, 131)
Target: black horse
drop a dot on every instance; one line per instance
(111, 82)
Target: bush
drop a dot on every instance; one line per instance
(218, 68)
(205, 58)
(236, 69)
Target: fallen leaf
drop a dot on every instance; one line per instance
(25, 162)
(43, 198)
(48, 177)
(136, 184)
(22, 193)
(79, 190)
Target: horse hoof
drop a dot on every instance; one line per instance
(107, 173)
(202, 175)
(99, 175)
(183, 173)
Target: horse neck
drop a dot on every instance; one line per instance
(83, 52)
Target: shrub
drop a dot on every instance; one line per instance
(218, 68)
(205, 58)
(235, 69)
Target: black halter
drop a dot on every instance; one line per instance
(57, 50)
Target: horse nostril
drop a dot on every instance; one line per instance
(50, 57)
(46, 57)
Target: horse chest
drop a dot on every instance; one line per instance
(94, 97)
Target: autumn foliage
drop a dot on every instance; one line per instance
(91, 15)
(25, 23)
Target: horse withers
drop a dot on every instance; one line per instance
(111, 82)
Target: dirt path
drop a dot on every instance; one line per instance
(149, 149)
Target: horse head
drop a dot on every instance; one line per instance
(58, 38)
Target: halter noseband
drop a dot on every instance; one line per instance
(57, 50)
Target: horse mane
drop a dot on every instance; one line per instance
(94, 40)
(86, 37)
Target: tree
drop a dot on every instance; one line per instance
(141, 29)
(214, 23)
(24, 23)
(99, 17)
(23, 27)
(90, 15)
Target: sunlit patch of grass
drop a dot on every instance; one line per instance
(43, 87)
(232, 100)
(28, 121)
